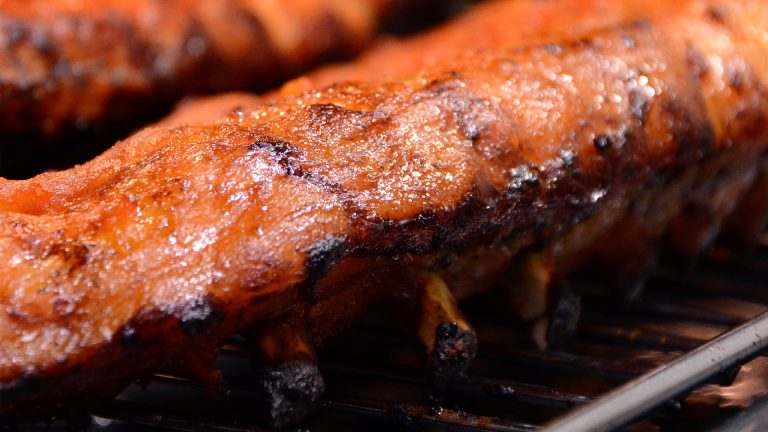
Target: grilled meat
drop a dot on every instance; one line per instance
(77, 64)
(519, 162)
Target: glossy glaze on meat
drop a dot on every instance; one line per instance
(80, 64)
(312, 205)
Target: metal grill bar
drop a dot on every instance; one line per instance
(472, 386)
(613, 370)
(634, 399)
(427, 416)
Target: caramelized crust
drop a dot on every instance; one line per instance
(322, 202)
(76, 64)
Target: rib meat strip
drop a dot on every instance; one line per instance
(79, 64)
(312, 205)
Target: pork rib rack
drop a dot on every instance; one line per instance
(285, 220)
(85, 64)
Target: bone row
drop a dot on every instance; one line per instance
(625, 247)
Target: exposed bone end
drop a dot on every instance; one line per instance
(564, 315)
(454, 349)
(527, 287)
(527, 290)
(291, 391)
(289, 377)
(561, 320)
(450, 341)
(543, 300)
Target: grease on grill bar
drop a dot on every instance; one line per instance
(511, 386)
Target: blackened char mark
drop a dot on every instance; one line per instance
(42, 42)
(401, 414)
(470, 113)
(455, 348)
(736, 80)
(322, 255)
(480, 216)
(602, 141)
(288, 156)
(565, 311)
(291, 391)
(284, 153)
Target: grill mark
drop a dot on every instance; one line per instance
(293, 162)
(323, 255)
(470, 113)
(286, 154)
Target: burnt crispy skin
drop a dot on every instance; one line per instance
(325, 201)
(76, 64)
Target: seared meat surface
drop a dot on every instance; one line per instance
(533, 155)
(79, 64)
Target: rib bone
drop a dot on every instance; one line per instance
(288, 373)
(450, 341)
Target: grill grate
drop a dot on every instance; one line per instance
(375, 379)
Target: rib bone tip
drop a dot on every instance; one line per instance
(291, 391)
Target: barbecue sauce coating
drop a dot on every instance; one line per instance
(327, 200)
(85, 63)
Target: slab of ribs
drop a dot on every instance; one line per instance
(522, 142)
